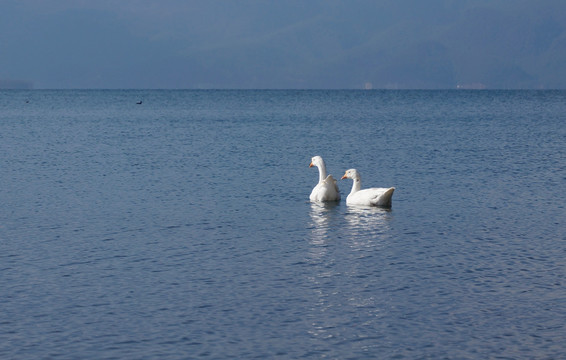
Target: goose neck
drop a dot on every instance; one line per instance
(356, 185)
(321, 172)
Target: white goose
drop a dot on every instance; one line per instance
(326, 189)
(366, 197)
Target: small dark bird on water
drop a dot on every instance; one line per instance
(139, 102)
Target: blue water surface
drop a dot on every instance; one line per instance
(181, 228)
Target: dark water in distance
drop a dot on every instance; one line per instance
(181, 228)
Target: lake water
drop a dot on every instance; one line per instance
(181, 228)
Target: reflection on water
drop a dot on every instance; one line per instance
(358, 227)
(324, 273)
(321, 215)
(367, 226)
(343, 240)
(367, 218)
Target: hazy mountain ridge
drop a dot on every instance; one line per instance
(292, 44)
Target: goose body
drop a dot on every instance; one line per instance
(366, 197)
(326, 189)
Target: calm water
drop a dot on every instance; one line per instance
(181, 228)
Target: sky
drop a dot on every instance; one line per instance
(297, 44)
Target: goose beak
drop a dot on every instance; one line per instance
(311, 165)
(344, 177)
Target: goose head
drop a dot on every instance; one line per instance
(351, 174)
(316, 161)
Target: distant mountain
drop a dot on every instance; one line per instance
(288, 44)
(16, 84)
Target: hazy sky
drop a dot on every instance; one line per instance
(284, 44)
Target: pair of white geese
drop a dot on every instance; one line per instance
(327, 190)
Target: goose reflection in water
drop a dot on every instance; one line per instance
(367, 227)
(323, 271)
(344, 244)
(321, 218)
(360, 225)
(367, 218)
